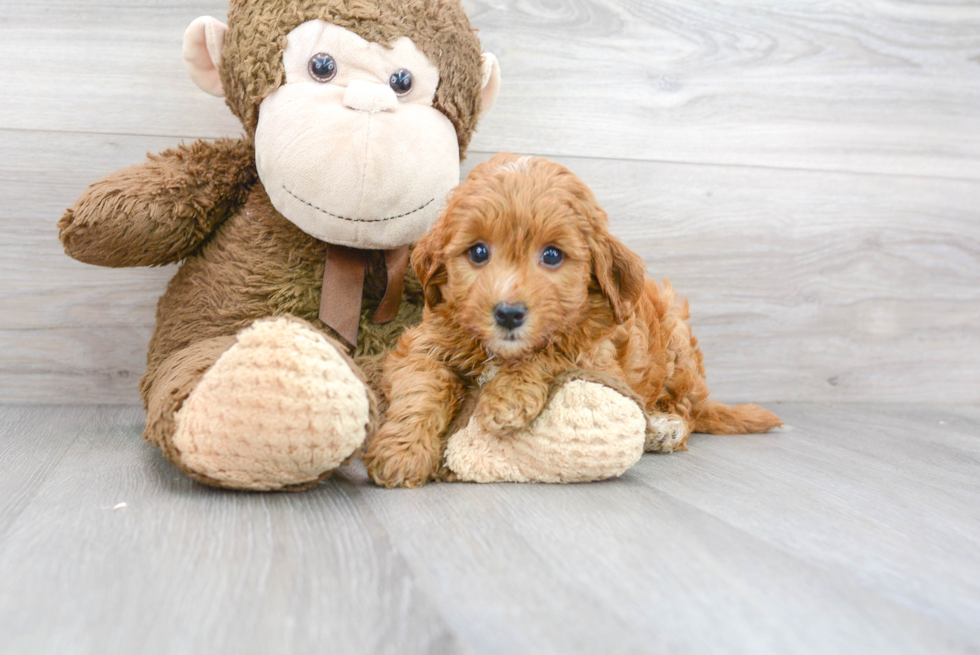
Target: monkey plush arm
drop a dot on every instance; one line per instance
(158, 212)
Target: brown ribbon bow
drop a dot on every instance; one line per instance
(343, 288)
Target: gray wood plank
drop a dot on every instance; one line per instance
(186, 569)
(807, 286)
(29, 450)
(618, 569)
(81, 364)
(886, 496)
(803, 285)
(126, 73)
(827, 85)
(886, 87)
(855, 530)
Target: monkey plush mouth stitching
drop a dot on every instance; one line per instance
(357, 220)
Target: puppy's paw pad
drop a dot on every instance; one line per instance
(666, 433)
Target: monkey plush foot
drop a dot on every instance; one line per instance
(592, 428)
(279, 409)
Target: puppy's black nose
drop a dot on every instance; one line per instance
(510, 316)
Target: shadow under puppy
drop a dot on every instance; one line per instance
(523, 282)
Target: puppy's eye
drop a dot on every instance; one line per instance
(323, 67)
(552, 256)
(479, 254)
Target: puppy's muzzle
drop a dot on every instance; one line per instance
(510, 316)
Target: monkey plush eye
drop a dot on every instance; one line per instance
(401, 82)
(552, 257)
(323, 67)
(479, 254)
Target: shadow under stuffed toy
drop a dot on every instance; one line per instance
(262, 372)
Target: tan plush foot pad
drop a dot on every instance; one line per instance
(281, 407)
(588, 432)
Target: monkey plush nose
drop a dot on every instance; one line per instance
(370, 97)
(510, 316)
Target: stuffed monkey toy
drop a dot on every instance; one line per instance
(294, 241)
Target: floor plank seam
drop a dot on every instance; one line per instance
(180, 138)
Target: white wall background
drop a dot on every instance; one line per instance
(807, 173)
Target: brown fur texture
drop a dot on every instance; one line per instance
(255, 264)
(203, 204)
(251, 64)
(594, 311)
(159, 212)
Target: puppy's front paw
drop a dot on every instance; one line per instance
(396, 460)
(501, 416)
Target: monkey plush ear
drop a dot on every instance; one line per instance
(491, 83)
(203, 41)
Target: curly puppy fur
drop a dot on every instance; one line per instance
(595, 310)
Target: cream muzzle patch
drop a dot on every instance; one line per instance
(363, 159)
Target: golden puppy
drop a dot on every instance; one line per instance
(523, 281)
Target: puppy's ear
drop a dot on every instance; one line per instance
(429, 264)
(620, 272)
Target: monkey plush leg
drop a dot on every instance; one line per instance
(592, 428)
(278, 406)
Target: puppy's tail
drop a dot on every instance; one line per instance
(716, 418)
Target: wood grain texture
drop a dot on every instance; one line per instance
(887, 87)
(878, 495)
(183, 569)
(29, 450)
(854, 530)
(848, 287)
(808, 175)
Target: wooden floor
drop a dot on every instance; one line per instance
(854, 530)
(807, 173)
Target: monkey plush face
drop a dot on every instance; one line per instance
(350, 148)
(357, 141)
